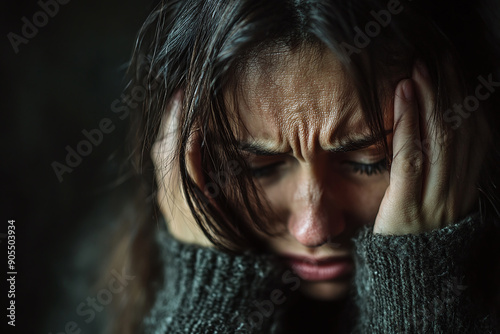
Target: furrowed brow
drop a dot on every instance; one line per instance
(258, 149)
(347, 145)
(350, 145)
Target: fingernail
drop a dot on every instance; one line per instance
(421, 68)
(408, 90)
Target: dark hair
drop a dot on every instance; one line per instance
(202, 46)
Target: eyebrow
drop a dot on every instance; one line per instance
(348, 145)
(258, 149)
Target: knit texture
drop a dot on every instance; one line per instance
(403, 284)
(208, 291)
(417, 283)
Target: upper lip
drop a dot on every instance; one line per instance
(317, 260)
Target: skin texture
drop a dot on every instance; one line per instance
(301, 107)
(443, 176)
(298, 105)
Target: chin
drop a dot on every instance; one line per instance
(326, 290)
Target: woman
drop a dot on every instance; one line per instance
(321, 166)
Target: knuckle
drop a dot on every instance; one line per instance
(412, 165)
(412, 214)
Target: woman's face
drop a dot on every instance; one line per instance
(310, 150)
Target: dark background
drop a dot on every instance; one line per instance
(63, 81)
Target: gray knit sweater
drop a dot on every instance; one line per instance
(403, 284)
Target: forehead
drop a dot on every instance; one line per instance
(292, 93)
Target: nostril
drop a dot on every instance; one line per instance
(333, 242)
(330, 241)
(316, 221)
(317, 245)
(311, 232)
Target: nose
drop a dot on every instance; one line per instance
(315, 217)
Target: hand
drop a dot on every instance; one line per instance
(434, 168)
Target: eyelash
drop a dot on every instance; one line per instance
(357, 167)
(369, 169)
(265, 171)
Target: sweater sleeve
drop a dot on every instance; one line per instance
(418, 283)
(208, 291)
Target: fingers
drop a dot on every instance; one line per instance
(434, 140)
(446, 154)
(400, 208)
(406, 171)
(430, 138)
(432, 178)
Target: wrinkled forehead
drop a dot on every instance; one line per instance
(306, 86)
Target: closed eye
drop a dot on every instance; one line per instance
(368, 169)
(266, 171)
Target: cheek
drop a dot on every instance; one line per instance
(280, 196)
(357, 199)
(361, 200)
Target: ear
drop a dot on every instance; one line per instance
(163, 151)
(193, 158)
(165, 148)
(170, 199)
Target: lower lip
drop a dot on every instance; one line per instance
(322, 271)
